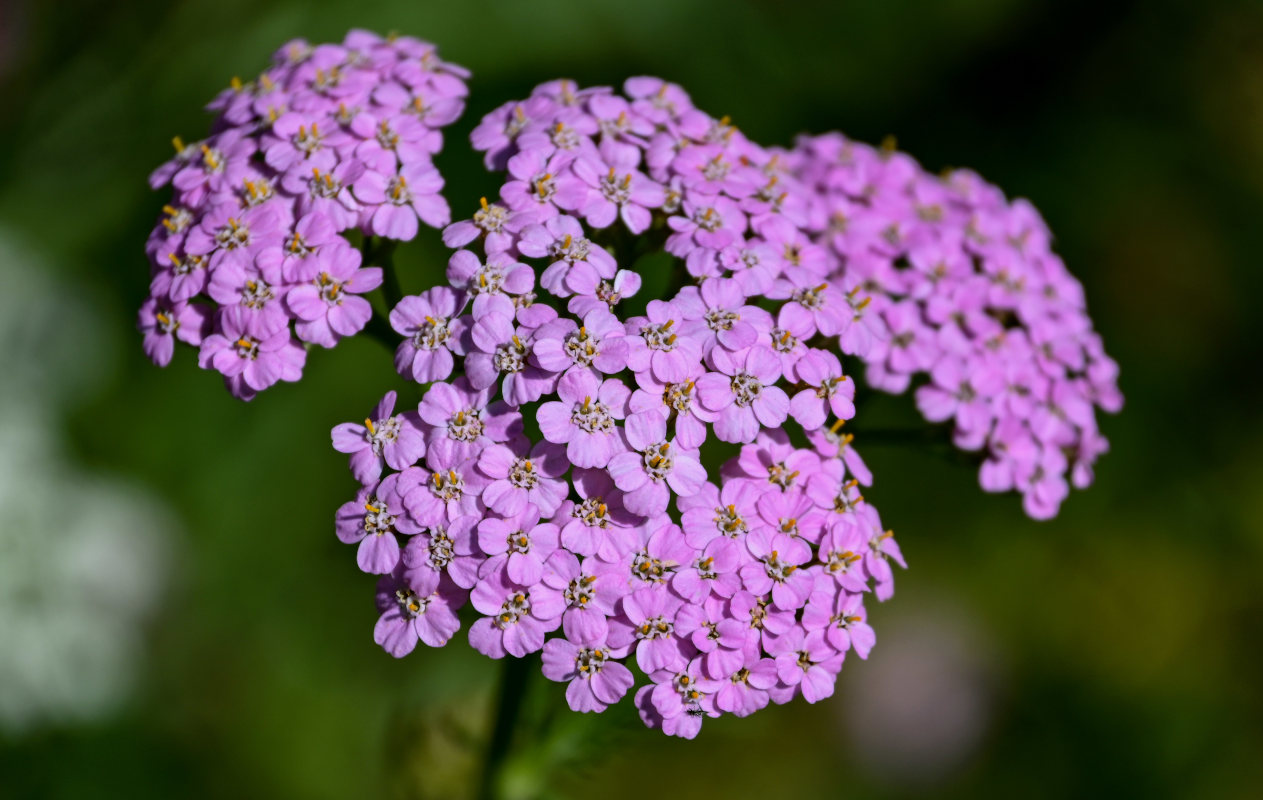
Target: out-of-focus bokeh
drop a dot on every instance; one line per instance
(185, 622)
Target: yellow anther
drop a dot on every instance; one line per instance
(517, 342)
(837, 426)
(627, 180)
(235, 83)
(368, 423)
(483, 201)
(565, 245)
(163, 318)
(244, 342)
(178, 144)
(370, 507)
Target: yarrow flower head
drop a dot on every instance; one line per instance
(970, 304)
(331, 143)
(552, 475)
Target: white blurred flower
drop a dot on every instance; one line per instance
(923, 706)
(82, 558)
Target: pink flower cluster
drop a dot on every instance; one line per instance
(552, 474)
(249, 260)
(974, 306)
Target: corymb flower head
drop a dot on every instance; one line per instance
(976, 309)
(253, 259)
(564, 417)
(631, 450)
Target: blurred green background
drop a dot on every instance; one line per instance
(1111, 652)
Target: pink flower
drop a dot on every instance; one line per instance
(744, 394)
(250, 363)
(521, 541)
(652, 466)
(594, 681)
(408, 616)
(585, 418)
(433, 333)
(329, 307)
(163, 323)
(517, 617)
(385, 439)
(806, 661)
(371, 520)
(394, 202)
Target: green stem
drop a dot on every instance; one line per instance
(513, 683)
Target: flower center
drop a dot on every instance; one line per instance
(570, 249)
(579, 592)
(840, 560)
(706, 568)
(581, 347)
(812, 298)
(432, 334)
(382, 432)
(565, 137)
(655, 628)
(410, 604)
(308, 140)
(776, 570)
(330, 290)
(781, 475)
(783, 341)
(716, 169)
(447, 486)
(177, 218)
(386, 137)
(592, 417)
(488, 280)
(256, 294)
(511, 356)
(650, 569)
(465, 425)
(165, 322)
(708, 219)
(593, 512)
(257, 192)
(746, 388)
(323, 184)
(659, 337)
(616, 190)
(247, 347)
(442, 549)
(730, 523)
(397, 191)
(657, 462)
(233, 235)
(519, 542)
(545, 187)
(377, 518)
(829, 387)
(515, 607)
(720, 319)
(589, 660)
(491, 218)
(679, 396)
(523, 475)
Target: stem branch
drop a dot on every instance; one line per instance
(513, 681)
